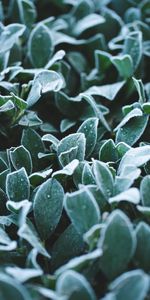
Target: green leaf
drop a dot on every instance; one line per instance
(48, 205)
(103, 178)
(123, 64)
(108, 91)
(89, 128)
(146, 108)
(37, 178)
(68, 245)
(136, 157)
(66, 157)
(102, 61)
(133, 47)
(91, 237)
(17, 185)
(10, 35)
(131, 132)
(136, 112)
(145, 191)
(140, 89)
(45, 81)
(40, 46)
(30, 119)
(87, 175)
(27, 12)
(31, 140)
(23, 275)
(143, 238)
(52, 139)
(28, 233)
(11, 288)
(20, 157)
(132, 196)
(73, 285)
(68, 170)
(74, 141)
(131, 285)
(118, 243)
(87, 22)
(79, 263)
(108, 151)
(66, 124)
(82, 210)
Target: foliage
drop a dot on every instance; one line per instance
(75, 149)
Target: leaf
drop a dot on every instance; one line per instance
(40, 46)
(118, 243)
(143, 236)
(136, 112)
(51, 138)
(146, 108)
(87, 22)
(82, 210)
(108, 151)
(95, 108)
(45, 81)
(89, 128)
(30, 119)
(79, 263)
(46, 292)
(68, 170)
(68, 245)
(136, 157)
(132, 196)
(29, 234)
(140, 89)
(75, 141)
(91, 237)
(102, 60)
(133, 47)
(37, 178)
(132, 131)
(145, 191)
(72, 284)
(66, 124)
(12, 288)
(126, 179)
(133, 284)
(27, 12)
(103, 177)
(17, 185)
(47, 207)
(10, 35)
(31, 140)
(59, 55)
(87, 175)
(68, 156)
(124, 65)
(108, 91)
(23, 275)
(20, 157)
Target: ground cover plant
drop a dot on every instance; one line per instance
(74, 150)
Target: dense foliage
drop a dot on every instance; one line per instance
(74, 149)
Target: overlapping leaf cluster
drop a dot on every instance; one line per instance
(74, 149)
